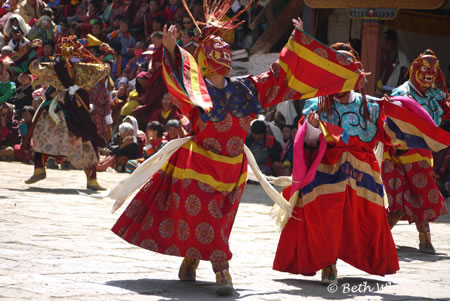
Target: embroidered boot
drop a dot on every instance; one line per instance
(38, 175)
(425, 245)
(223, 278)
(188, 269)
(91, 175)
(329, 274)
(224, 283)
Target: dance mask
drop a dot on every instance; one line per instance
(424, 71)
(214, 56)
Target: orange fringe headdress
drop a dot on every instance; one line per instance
(214, 12)
(326, 102)
(213, 54)
(69, 47)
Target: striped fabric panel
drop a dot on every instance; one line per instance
(408, 130)
(194, 162)
(340, 190)
(346, 174)
(314, 69)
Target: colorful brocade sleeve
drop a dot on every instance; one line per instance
(185, 82)
(305, 69)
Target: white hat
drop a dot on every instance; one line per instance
(150, 50)
(122, 81)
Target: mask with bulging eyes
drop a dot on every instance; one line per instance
(424, 71)
(214, 56)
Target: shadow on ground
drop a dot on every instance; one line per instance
(408, 254)
(55, 190)
(173, 289)
(347, 287)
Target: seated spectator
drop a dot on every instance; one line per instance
(157, 55)
(137, 25)
(157, 25)
(167, 111)
(123, 44)
(171, 9)
(16, 20)
(123, 148)
(155, 89)
(48, 51)
(91, 15)
(137, 96)
(24, 155)
(173, 130)
(6, 51)
(127, 9)
(284, 166)
(23, 95)
(9, 132)
(130, 70)
(140, 135)
(125, 39)
(58, 7)
(188, 23)
(264, 147)
(42, 30)
(97, 30)
(155, 138)
(17, 39)
(155, 141)
(7, 10)
(80, 11)
(110, 12)
(153, 12)
(31, 9)
(188, 40)
(7, 87)
(26, 119)
(119, 98)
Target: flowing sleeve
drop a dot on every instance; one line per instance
(185, 82)
(305, 69)
(408, 127)
(46, 71)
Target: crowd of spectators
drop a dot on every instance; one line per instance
(136, 113)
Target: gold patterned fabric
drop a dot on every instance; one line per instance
(56, 139)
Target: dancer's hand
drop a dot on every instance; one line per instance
(170, 38)
(313, 119)
(298, 23)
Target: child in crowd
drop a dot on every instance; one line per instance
(155, 136)
(23, 96)
(174, 130)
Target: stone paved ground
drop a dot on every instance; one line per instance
(56, 244)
